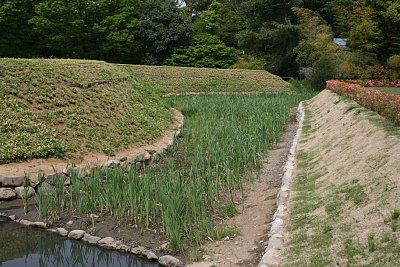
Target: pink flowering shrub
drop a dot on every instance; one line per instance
(374, 83)
(387, 105)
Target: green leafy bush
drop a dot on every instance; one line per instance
(207, 51)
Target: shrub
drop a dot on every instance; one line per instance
(379, 73)
(394, 65)
(387, 105)
(207, 51)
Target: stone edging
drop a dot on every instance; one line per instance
(106, 242)
(12, 186)
(272, 255)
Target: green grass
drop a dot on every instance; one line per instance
(191, 189)
(389, 90)
(182, 80)
(44, 115)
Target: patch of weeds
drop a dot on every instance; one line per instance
(229, 210)
(389, 127)
(394, 226)
(220, 233)
(395, 214)
(371, 243)
(354, 192)
(351, 251)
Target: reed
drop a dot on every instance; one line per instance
(223, 140)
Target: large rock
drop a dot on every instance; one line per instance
(46, 188)
(13, 181)
(107, 242)
(62, 232)
(91, 239)
(56, 179)
(20, 191)
(76, 234)
(111, 163)
(7, 194)
(170, 261)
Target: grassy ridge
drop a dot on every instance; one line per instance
(182, 80)
(48, 109)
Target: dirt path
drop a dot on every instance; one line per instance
(48, 166)
(254, 221)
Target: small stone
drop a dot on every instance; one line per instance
(91, 239)
(20, 191)
(111, 163)
(170, 261)
(39, 225)
(123, 159)
(226, 238)
(69, 222)
(76, 234)
(107, 242)
(271, 258)
(12, 217)
(67, 181)
(165, 246)
(52, 230)
(206, 257)
(123, 248)
(56, 178)
(151, 255)
(11, 181)
(25, 222)
(7, 194)
(62, 232)
(139, 251)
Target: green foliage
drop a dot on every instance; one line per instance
(316, 49)
(207, 51)
(250, 63)
(394, 65)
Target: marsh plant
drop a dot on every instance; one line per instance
(223, 140)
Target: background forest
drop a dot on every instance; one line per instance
(287, 37)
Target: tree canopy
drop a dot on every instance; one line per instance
(264, 34)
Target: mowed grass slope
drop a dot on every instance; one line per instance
(183, 80)
(53, 108)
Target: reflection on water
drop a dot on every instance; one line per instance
(23, 246)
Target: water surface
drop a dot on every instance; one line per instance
(25, 246)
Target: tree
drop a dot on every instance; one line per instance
(316, 49)
(207, 51)
(162, 26)
(364, 33)
(16, 38)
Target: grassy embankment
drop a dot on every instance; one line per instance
(183, 80)
(344, 209)
(52, 108)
